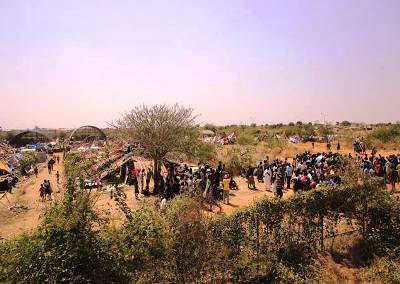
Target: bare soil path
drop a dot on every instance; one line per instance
(27, 193)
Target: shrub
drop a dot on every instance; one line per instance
(246, 138)
(206, 152)
(236, 159)
(387, 134)
(28, 160)
(65, 249)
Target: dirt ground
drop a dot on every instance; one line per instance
(27, 193)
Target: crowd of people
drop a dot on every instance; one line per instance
(306, 171)
(386, 167)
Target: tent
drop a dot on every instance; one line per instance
(4, 167)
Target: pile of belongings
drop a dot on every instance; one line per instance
(294, 139)
(221, 140)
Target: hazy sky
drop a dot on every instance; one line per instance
(69, 63)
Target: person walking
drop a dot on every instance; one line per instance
(49, 167)
(36, 171)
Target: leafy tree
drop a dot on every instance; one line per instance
(299, 123)
(160, 130)
(345, 123)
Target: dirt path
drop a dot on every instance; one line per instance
(27, 193)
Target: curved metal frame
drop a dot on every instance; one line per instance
(88, 131)
(28, 137)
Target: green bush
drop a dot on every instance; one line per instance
(64, 249)
(206, 152)
(238, 158)
(28, 160)
(387, 134)
(246, 138)
(272, 241)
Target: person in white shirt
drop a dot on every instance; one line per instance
(163, 205)
(267, 178)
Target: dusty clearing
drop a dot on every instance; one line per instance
(15, 223)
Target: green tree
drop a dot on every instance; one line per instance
(160, 130)
(345, 123)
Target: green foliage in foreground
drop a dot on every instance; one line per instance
(271, 241)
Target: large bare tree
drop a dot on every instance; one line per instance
(160, 130)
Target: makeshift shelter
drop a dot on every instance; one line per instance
(87, 134)
(4, 168)
(118, 164)
(28, 137)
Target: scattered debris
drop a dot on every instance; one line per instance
(18, 208)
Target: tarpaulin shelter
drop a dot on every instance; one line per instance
(4, 167)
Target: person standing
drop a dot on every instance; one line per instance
(267, 178)
(288, 172)
(141, 177)
(135, 183)
(279, 186)
(163, 205)
(58, 177)
(393, 179)
(126, 174)
(149, 175)
(9, 183)
(225, 194)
